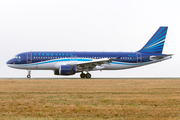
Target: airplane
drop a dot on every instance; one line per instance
(70, 63)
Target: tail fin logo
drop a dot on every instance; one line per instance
(156, 43)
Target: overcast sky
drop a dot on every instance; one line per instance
(89, 25)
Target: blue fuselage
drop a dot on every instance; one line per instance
(28, 59)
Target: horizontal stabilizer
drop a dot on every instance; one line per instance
(160, 57)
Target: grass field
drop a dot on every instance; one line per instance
(124, 99)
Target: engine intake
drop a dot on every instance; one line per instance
(66, 70)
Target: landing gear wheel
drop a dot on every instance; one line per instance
(88, 75)
(28, 76)
(82, 75)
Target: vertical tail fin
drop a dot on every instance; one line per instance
(156, 43)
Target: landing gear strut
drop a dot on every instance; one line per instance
(83, 75)
(29, 74)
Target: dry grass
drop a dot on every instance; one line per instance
(90, 99)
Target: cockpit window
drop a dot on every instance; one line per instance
(18, 57)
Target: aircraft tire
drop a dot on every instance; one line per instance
(82, 75)
(28, 76)
(88, 75)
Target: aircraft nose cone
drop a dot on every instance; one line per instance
(9, 61)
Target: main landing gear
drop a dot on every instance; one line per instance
(83, 75)
(29, 74)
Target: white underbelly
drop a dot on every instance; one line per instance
(117, 66)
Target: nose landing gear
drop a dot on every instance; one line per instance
(83, 75)
(29, 74)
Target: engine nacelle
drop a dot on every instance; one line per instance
(66, 70)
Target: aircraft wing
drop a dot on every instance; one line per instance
(87, 66)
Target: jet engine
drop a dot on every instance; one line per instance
(65, 70)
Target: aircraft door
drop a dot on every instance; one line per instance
(139, 57)
(29, 57)
(73, 58)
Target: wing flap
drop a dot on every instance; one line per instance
(87, 66)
